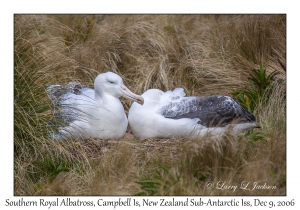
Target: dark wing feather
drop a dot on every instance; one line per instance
(60, 96)
(57, 93)
(212, 111)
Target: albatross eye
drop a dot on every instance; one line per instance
(110, 82)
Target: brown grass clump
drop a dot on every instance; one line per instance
(204, 54)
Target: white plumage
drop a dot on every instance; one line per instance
(96, 113)
(171, 114)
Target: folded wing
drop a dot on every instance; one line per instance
(212, 111)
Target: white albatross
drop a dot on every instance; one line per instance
(96, 113)
(171, 114)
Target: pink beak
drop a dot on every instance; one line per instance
(126, 93)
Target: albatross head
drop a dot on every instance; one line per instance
(112, 84)
(153, 95)
(152, 98)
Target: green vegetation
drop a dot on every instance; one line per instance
(204, 54)
(52, 168)
(162, 177)
(259, 91)
(261, 86)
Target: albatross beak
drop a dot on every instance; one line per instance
(126, 93)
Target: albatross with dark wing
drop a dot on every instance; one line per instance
(96, 113)
(171, 114)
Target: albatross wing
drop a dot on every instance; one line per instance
(212, 111)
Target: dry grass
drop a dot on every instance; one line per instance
(204, 54)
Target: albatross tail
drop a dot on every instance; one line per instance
(233, 129)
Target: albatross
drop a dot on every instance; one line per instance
(171, 114)
(96, 113)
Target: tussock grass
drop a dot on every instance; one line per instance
(204, 54)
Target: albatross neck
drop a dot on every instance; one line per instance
(108, 100)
